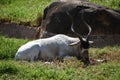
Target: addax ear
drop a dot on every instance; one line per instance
(91, 42)
(74, 43)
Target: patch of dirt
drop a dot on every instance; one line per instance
(17, 31)
(27, 32)
(106, 58)
(105, 40)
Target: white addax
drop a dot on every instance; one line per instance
(49, 48)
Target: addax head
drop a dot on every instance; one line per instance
(84, 43)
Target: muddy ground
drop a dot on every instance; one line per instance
(14, 30)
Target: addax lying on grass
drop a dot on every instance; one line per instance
(56, 47)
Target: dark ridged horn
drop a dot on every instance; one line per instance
(72, 29)
(89, 33)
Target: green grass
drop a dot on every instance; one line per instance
(115, 4)
(11, 70)
(106, 51)
(71, 69)
(8, 47)
(28, 11)
(22, 10)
